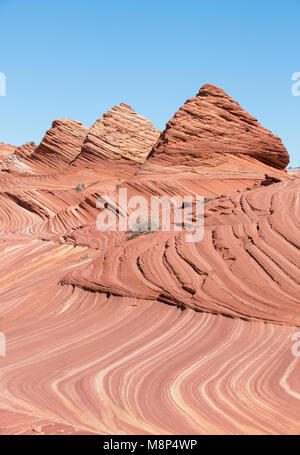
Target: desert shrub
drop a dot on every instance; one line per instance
(143, 227)
(80, 187)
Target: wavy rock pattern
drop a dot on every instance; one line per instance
(211, 146)
(247, 264)
(149, 335)
(60, 145)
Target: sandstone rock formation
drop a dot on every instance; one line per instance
(11, 156)
(212, 125)
(121, 138)
(247, 264)
(150, 334)
(6, 151)
(61, 144)
(211, 146)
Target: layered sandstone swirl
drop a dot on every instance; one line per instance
(120, 332)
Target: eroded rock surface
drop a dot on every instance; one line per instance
(121, 138)
(210, 126)
(150, 334)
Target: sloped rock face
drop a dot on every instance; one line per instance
(118, 334)
(10, 157)
(116, 145)
(6, 150)
(120, 138)
(247, 264)
(210, 147)
(211, 125)
(26, 150)
(60, 145)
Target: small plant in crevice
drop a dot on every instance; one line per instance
(142, 227)
(80, 187)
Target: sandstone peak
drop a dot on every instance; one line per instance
(213, 124)
(119, 135)
(213, 90)
(126, 106)
(96, 336)
(61, 143)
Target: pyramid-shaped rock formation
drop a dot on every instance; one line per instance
(144, 332)
(211, 125)
(121, 136)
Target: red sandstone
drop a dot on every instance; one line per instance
(150, 335)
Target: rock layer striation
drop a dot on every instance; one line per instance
(114, 333)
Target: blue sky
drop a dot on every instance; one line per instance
(77, 59)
